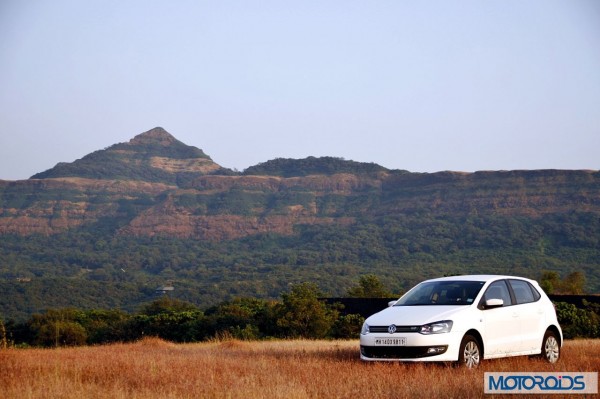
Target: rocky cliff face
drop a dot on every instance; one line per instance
(52, 206)
(168, 219)
(156, 185)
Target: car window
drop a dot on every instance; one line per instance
(442, 293)
(498, 290)
(536, 293)
(523, 291)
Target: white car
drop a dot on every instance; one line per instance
(464, 319)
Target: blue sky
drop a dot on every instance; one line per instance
(418, 85)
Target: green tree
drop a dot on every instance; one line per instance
(169, 319)
(574, 283)
(348, 326)
(57, 327)
(176, 326)
(369, 286)
(550, 281)
(104, 326)
(242, 318)
(576, 322)
(301, 314)
(167, 305)
(61, 333)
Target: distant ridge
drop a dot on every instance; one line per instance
(312, 166)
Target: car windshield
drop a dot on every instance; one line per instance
(442, 293)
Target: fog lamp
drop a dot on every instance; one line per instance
(436, 349)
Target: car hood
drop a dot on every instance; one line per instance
(414, 315)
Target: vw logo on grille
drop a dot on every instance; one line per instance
(392, 329)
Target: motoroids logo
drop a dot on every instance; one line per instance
(545, 383)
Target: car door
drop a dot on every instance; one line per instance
(531, 315)
(501, 324)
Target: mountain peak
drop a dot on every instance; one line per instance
(158, 135)
(154, 156)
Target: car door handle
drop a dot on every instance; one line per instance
(515, 314)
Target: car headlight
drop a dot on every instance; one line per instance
(365, 329)
(439, 327)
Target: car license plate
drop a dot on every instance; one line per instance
(391, 341)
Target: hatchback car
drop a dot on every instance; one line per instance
(465, 319)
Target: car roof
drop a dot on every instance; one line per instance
(478, 277)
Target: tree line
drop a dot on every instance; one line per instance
(300, 313)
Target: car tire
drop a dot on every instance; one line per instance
(470, 353)
(550, 347)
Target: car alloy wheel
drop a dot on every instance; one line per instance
(470, 354)
(550, 347)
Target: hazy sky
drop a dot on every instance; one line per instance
(417, 85)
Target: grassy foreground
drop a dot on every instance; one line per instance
(153, 368)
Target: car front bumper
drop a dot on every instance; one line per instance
(415, 348)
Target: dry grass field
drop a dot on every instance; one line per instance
(153, 368)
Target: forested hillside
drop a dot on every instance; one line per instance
(107, 230)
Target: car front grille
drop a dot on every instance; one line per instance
(399, 329)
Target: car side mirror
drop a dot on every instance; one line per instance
(392, 303)
(494, 303)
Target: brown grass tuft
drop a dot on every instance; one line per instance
(154, 342)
